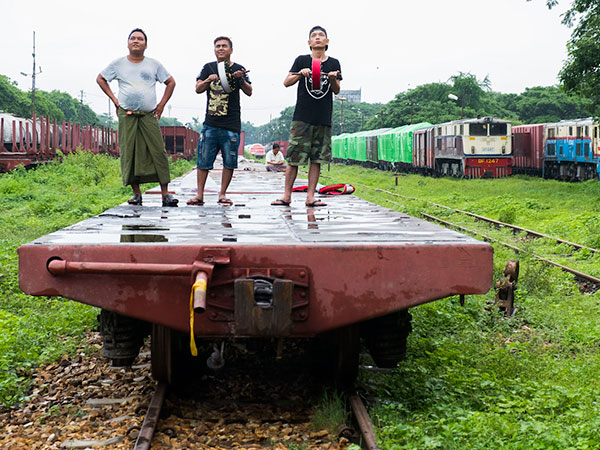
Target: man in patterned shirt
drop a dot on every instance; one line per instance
(222, 125)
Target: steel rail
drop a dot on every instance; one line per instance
(575, 272)
(487, 219)
(498, 223)
(152, 415)
(364, 421)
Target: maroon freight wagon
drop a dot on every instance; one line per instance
(528, 149)
(253, 270)
(423, 150)
(180, 142)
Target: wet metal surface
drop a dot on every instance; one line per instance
(251, 219)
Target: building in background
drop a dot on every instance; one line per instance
(351, 96)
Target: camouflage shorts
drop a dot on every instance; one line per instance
(309, 143)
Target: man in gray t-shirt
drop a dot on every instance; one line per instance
(141, 147)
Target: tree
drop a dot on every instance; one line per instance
(57, 105)
(469, 90)
(581, 71)
(550, 104)
(169, 122)
(12, 99)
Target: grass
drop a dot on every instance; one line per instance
(331, 414)
(474, 379)
(36, 330)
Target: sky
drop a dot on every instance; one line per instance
(385, 47)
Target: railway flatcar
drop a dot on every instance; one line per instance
(572, 150)
(473, 148)
(217, 274)
(528, 149)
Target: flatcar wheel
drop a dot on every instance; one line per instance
(338, 352)
(164, 352)
(348, 349)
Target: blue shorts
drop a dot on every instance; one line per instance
(211, 141)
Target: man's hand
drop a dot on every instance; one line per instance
(158, 111)
(306, 72)
(334, 74)
(240, 73)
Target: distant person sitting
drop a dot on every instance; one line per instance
(274, 160)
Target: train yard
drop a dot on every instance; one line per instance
(587, 282)
(265, 406)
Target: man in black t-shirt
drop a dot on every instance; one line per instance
(310, 134)
(222, 125)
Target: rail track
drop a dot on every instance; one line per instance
(82, 402)
(586, 282)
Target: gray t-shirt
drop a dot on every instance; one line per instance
(137, 82)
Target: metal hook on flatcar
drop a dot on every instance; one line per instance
(216, 361)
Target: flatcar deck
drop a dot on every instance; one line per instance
(346, 262)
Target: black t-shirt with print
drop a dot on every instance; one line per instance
(312, 106)
(222, 109)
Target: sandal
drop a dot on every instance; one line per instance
(135, 200)
(315, 203)
(169, 200)
(195, 202)
(225, 201)
(280, 202)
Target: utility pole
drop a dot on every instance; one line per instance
(33, 74)
(81, 107)
(342, 100)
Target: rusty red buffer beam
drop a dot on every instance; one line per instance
(259, 270)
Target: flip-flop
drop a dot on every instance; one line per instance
(316, 203)
(169, 200)
(280, 202)
(195, 202)
(225, 201)
(135, 200)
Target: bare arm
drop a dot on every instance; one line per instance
(170, 82)
(202, 85)
(244, 85)
(293, 77)
(107, 90)
(333, 80)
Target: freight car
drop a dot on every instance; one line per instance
(180, 142)
(221, 273)
(22, 143)
(528, 149)
(473, 148)
(568, 150)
